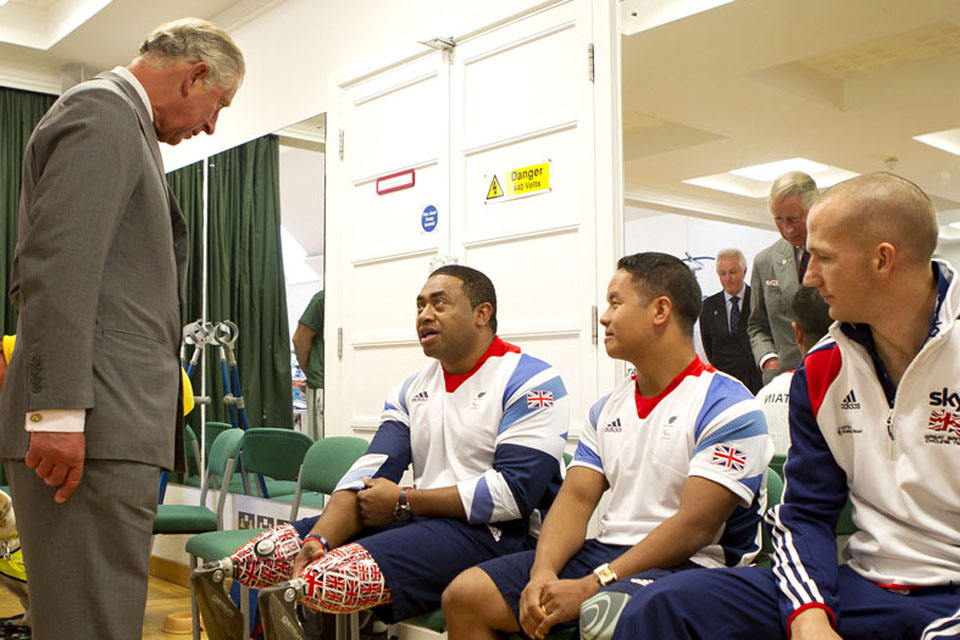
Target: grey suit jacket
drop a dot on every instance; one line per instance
(774, 283)
(98, 278)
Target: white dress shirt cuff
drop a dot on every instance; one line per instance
(766, 357)
(62, 420)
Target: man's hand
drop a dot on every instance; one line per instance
(771, 363)
(378, 501)
(562, 599)
(310, 551)
(57, 458)
(812, 624)
(531, 613)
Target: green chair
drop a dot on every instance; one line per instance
(845, 525)
(183, 518)
(779, 459)
(275, 454)
(324, 464)
(774, 497)
(213, 429)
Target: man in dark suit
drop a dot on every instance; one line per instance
(89, 413)
(723, 322)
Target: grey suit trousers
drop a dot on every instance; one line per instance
(87, 559)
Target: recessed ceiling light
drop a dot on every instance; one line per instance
(948, 140)
(755, 181)
(769, 171)
(3, 2)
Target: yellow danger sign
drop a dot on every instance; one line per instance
(521, 182)
(494, 191)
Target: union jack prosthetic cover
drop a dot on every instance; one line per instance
(268, 558)
(345, 580)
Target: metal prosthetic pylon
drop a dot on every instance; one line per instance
(221, 617)
(278, 610)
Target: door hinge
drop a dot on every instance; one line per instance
(340, 343)
(590, 70)
(594, 330)
(341, 144)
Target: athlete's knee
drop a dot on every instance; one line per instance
(268, 558)
(465, 592)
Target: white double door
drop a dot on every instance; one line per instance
(518, 95)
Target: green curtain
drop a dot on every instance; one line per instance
(20, 111)
(186, 184)
(245, 279)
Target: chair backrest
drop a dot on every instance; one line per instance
(774, 497)
(224, 451)
(325, 463)
(328, 460)
(774, 488)
(191, 451)
(277, 453)
(213, 429)
(779, 459)
(223, 457)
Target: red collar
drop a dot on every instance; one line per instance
(497, 348)
(647, 404)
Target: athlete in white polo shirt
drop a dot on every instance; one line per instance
(483, 426)
(683, 449)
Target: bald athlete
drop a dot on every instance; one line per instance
(873, 417)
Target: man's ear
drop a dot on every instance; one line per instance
(798, 335)
(662, 310)
(196, 72)
(482, 314)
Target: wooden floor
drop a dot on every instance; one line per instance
(163, 598)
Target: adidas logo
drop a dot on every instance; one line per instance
(420, 397)
(614, 427)
(849, 402)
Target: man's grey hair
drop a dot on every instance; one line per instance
(794, 183)
(733, 253)
(196, 40)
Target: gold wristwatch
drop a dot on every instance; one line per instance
(604, 574)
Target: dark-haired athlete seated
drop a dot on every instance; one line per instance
(484, 427)
(683, 449)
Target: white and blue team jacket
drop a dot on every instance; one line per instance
(705, 423)
(496, 432)
(896, 451)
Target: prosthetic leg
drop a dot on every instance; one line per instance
(261, 562)
(278, 610)
(221, 617)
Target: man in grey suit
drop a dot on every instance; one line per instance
(90, 410)
(777, 273)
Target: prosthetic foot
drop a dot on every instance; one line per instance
(221, 617)
(278, 610)
(599, 615)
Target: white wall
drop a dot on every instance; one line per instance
(649, 230)
(295, 50)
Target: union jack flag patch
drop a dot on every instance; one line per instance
(729, 457)
(536, 399)
(944, 421)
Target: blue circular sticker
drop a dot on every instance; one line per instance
(428, 219)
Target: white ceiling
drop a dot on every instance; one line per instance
(845, 83)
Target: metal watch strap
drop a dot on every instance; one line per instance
(605, 574)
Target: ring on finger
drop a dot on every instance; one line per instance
(543, 608)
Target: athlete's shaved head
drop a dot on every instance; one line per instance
(883, 207)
